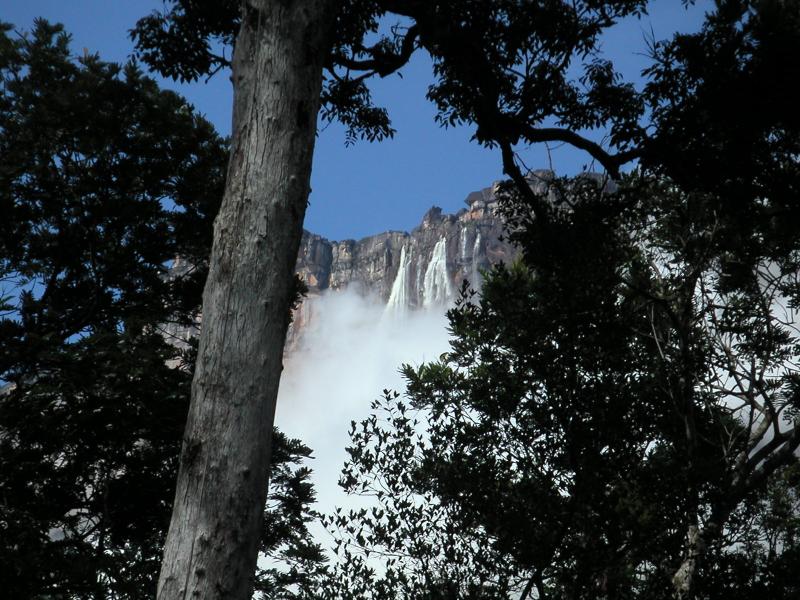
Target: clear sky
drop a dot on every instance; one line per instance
(366, 188)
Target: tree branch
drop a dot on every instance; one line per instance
(512, 170)
(610, 162)
(777, 459)
(383, 63)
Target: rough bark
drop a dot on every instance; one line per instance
(212, 545)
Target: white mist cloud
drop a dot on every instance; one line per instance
(350, 351)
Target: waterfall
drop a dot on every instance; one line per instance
(418, 288)
(398, 297)
(462, 243)
(436, 287)
(476, 281)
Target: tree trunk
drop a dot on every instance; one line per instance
(684, 578)
(212, 545)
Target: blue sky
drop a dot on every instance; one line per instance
(367, 188)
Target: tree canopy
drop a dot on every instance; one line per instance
(105, 180)
(617, 417)
(527, 73)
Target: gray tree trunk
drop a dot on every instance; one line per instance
(212, 545)
(684, 579)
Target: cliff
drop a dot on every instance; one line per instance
(413, 269)
(406, 270)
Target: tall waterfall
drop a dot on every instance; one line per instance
(476, 281)
(436, 287)
(398, 298)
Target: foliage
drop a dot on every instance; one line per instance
(721, 103)
(630, 380)
(293, 560)
(404, 542)
(526, 73)
(105, 179)
(501, 65)
(190, 40)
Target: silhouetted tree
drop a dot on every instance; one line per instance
(104, 180)
(617, 416)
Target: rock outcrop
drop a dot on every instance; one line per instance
(407, 270)
(420, 268)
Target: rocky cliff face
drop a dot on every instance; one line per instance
(402, 270)
(420, 268)
(407, 271)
